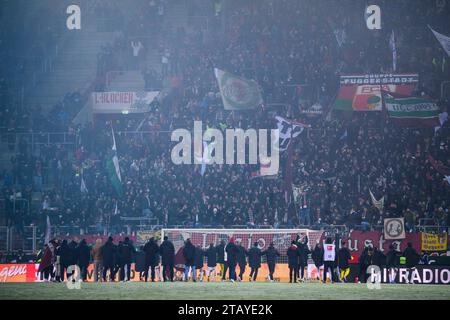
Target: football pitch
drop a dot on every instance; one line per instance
(221, 291)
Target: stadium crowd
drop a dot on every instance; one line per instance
(282, 45)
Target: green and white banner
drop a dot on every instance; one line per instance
(238, 93)
(411, 111)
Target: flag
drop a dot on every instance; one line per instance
(447, 178)
(379, 204)
(411, 111)
(288, 130)
(443, 40)
(363, 92)
(116, 210)
(48, 231)
(443, 117)
(264, 169)
(238, 93)
(344, 135)
(83, 187)
(341, 36)
(206, 156)
(112, 166)
(393, 47)
(296, 190)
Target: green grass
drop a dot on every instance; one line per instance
(220, 291)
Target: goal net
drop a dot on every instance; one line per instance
(281, 238)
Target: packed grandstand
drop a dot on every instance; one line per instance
(347, 170)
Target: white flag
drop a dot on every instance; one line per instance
(393, 47)
(443, 40)
(83, 187)
(379, 204)
(48, 231)
(288, 130)
(115, 159)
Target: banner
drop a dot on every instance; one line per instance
(358, 240)
(142, 237)
(21, 272)
(315, 110)
(411, 111)
(394, 228)
(434, 242)
(288, 129)
(238, 93)
(122, 102)
(363, 92)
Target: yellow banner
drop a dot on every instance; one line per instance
(143, 236)
(434, 242)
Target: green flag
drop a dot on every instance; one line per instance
(238, 93)
(411, 111)
(112, 166)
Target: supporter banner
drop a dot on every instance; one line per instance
(143, 236)
(434, 242)
(122, 102)
(363, 92)
(358, 240)
(394, 228)
(315, 110)
(238, 93)
(412, 111)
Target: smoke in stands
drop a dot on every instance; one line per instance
(90, 98)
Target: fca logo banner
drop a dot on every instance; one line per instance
(373, 17)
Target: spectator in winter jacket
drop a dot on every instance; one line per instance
(189, 257)
(167, 251)
(271, 257)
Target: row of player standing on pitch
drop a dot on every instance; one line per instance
(228, 256)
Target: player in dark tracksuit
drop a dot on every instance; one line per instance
(242, 262)
(199, 263)
(412, 258)
(391, 263)
(211, 257)
(293, 259)
(303, 249)
(344, 256)
(271, 257)
(221, 258)
(254, 260)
